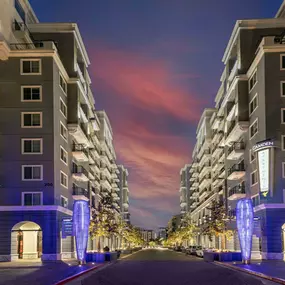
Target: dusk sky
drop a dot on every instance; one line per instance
(155, 64)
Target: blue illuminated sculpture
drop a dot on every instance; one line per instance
(245, 217)
(81, 220)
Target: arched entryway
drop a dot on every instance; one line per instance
(26, 241)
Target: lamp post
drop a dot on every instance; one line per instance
(244, 217)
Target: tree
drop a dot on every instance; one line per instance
(217, 224)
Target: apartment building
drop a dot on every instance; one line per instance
(245, 154)
(124, 193)
(184, 189)
(54, 146)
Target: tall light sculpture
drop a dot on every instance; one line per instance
(245, 219)
(81, 221)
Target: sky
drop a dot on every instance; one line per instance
(155, 65)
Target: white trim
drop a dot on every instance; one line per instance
(281, 89)
(61, 101)
(283, 169)
(38, 192)
(269, 206)
(282, 116)
(66, 153)
(256, 120)
(251, 76)
(31, 139)
(36, 208)
(256, 178)
(31, 127)
(64, 91)
(66, 176)
(28, 165)
(61, 196)
(62, 124)
(281, 56)
(282, 143)
(31, 86)
(254, 97)
(31, 59)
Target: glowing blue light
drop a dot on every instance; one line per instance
(244, 215)
(81, 220)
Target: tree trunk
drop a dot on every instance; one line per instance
(223, 241)
(98, 245)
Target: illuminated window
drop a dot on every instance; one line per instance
(253, 178)
(253, 104)
(252, 81)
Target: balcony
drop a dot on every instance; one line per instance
(80, 153)
(91, 174)
(79, 193)
(236, 172)
(236, 151)
(78, 132)
(79, 173)
(205, 181)
(205, 154)
(217, 150)
(40, 45)
(106, 184)
(203, 193)
(237, 192)
(235, 131)
(233, 72)
(217, 135)
(222, 173)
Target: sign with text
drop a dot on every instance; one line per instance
(67, 227)
(264, 144)
(263, 166)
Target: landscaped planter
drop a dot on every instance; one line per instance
(111, 256)
(222, 256)
(126, 251)
(210, 256)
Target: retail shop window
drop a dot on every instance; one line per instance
(32, 172)
(253, 129)
(32, 198)
(252, 81)
(253, 104)
(31, 67)
(31, 93)
(63, 202)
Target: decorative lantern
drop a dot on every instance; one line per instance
(244, 217)
(81, 220)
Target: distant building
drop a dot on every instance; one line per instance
(162, 232)
(147, 235)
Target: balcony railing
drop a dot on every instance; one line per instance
(80, 191)
(236, 167)
(80, 147)
(239, 189)
(230, 128)
(208, 176)
(236, 146)
(83, 127)
(79, 169)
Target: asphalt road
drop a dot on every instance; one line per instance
(165, 267)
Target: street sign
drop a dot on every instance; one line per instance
(67, 227)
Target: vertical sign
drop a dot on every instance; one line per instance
(263, 166)
(67, 228)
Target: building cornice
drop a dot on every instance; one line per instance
(36, 208)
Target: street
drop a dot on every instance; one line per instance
(155, 267)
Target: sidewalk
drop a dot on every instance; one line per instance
(27, 273)
(269, 269)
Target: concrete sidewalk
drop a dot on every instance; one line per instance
(26, 273)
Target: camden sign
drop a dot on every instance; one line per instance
(265, 144)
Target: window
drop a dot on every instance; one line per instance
(253, 178)
(282, 88)
(282, 115)
(32, 146)
(31, 66)
(252, 81)
(63, 155)
(31, 93)
(282, 62)
(253, 104)
(31, 120)
(63, 179)
(32, 198)
(62, 84)
(63, 108)
(283, 169)
(253, 129)
(252, 156)
(63, 202)
(32, 172)
(255, 201)
(63, 131)
(283, 143)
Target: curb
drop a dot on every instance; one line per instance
(71, 278)
(251, 272)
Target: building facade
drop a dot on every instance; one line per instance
(54, 146)
(245, 153)
(184, 189)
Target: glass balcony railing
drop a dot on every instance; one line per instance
(78, 169)
(80, 147)
(236, 168)
(239, 189)
(80, 191)
(236, 146)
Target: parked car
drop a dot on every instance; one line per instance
(194, 249)
(200, 252)
(178, 248)
(190, 249)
